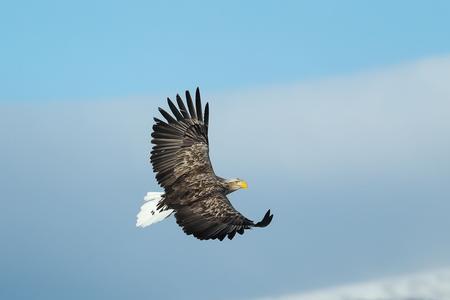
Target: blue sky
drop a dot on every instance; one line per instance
(336, 113)
(80, 50)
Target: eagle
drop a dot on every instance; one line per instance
(192, 191)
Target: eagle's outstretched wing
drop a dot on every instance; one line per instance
(180, 148)
(180, 159)
(215, 218)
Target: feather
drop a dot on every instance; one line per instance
(206, 119)
(190, 105)
(174, 110)
(166, 130)
(168, 127)
(163, 147)
(265, 221)
(167, 116)
(149, 214)
(198, 104)
(182, 107)
(162, 134)
(213, 230)
(166, 142)
(222, 236)
(232, 234)
(164, 155)
(159, 121)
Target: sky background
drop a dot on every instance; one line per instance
(78, 50)
(336, 113)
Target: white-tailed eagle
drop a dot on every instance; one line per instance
(192, 191)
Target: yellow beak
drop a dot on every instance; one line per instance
(242, 184)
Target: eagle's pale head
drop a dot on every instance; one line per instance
(235, 184)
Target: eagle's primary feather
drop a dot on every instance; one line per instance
(180, 159)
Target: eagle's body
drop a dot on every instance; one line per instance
(180, 159)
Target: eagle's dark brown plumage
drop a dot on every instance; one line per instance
(181, 162)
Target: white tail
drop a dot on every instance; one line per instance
(149, 214)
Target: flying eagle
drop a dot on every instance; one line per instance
(197, 196)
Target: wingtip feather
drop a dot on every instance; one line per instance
(190, 105)
(174, 110)
(206, 117)
(265, 220)
(198, 104)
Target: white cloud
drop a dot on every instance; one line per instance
(431, 285)
(394, 118)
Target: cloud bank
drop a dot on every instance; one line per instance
(431, 285)
(392, 118)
